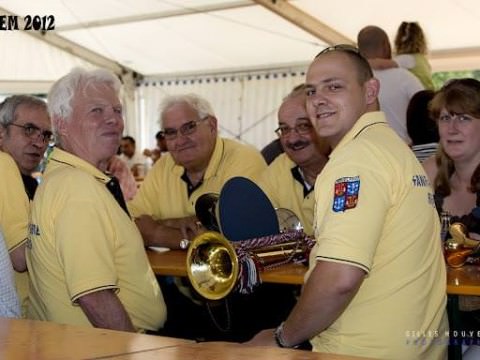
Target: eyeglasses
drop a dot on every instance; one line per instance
(300, 129)
(186, 129)
(459, 119)
(340, 47)
(33, 132)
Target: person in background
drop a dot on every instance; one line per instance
(137, 163)
(411, 49)
(421, 128)
(377, 269)
(411, 53)
(455, 174)
(25, 133)
(161, 148)
(9, 303)
(289, 180)
(86, 257)
(397, 86)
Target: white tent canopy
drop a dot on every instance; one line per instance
(178, 39)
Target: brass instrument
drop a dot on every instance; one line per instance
(459, 247)
(206, 211)
(215, 265)
(212, 265)
(287, 220)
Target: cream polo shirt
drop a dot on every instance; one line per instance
(284, 191)
(14, 216)
(375, 211)
(163, 194)
(81, 241)
(14, 203)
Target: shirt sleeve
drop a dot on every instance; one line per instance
(405, 61)
(247, 162)
(14, 206)
(350, 217)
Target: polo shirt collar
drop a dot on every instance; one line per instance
(366, 120)
(213, 164)
(63, 157)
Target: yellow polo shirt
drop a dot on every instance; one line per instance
(375, 211)
(81, 241)
(284, 191)
(163, 194)
(14, 213)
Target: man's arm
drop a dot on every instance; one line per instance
(104, 310)
(168, 232)
(17, 257)
(326, 294)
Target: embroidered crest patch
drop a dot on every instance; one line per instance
(346, 193)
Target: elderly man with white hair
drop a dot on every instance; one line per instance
(86, 257)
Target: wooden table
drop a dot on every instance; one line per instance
(173, 263)
(230, 351)
(464, 280)
(460, 281)
(28, 339)
(37, 340)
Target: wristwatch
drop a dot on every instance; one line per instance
(184, 243)
(278, 335)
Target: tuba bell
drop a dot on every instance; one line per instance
(212, 265)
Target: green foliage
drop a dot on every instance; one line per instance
(440, 78)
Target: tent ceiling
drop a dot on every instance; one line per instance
(179, 37)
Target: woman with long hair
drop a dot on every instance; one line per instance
(455, 172)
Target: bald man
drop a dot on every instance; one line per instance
(397, 85)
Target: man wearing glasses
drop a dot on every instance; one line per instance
(289, 180)
(25, 133)
(198, 162)
(376, 281)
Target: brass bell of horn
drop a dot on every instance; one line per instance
(212, 265)
(459, 247)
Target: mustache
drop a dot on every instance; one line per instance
(297, 144)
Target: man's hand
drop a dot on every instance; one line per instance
(189, 226)
(168, 232)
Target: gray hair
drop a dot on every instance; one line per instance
(10, 105)
(196, 102)
(64, 90)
